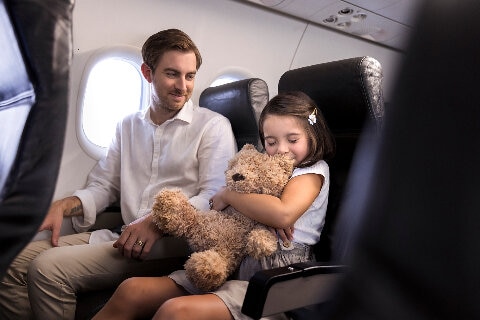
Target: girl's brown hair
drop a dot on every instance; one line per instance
(301, 106)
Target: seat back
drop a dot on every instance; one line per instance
(241, 102)
(349, 94)
(36, 54)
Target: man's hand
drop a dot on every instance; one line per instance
(138, 237)
(70, 206)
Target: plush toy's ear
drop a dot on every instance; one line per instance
(246, 149)
(247, 152)
(248, 146)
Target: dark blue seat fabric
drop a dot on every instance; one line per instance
(241, 102)
(349, 92)
(36, 42)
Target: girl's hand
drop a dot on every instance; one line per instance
(217, 203)
(286, 235)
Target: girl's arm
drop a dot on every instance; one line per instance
(281, 213)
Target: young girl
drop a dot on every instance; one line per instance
(290, 123)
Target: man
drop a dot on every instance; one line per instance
(173, 144)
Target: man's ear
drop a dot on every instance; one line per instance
(147, 72)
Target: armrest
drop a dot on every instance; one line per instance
(110, 218)
(283, 289)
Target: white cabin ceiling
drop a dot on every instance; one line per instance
(387, 22)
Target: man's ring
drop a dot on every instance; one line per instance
(210, 203)
(140, 243)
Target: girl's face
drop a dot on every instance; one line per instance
(285, 134)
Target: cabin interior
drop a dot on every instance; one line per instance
(243, 39)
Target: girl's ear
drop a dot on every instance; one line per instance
(147, 72)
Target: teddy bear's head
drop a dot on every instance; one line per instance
(251, 171)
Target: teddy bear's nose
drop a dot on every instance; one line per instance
(238, 177)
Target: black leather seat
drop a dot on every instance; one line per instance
(349, 94)
(241, 102)
(36, 42)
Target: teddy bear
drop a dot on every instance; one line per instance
(220, 240)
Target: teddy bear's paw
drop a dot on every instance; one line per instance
(207, 270)
(261, 243)
(172, 212)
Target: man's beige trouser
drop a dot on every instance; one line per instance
(42, 281)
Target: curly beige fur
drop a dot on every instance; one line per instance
(220, 240)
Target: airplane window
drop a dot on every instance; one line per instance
(112, 87)
(230, 75)
(224, 79)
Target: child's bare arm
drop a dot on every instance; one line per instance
(280, 213)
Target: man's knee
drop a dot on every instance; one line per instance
(46, 267)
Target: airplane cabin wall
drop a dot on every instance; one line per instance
(231, 35)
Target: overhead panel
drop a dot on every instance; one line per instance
(401, 11)
(387, 22)
(362, 23)
(298, 8)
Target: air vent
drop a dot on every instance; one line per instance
(331, 19)
(345, 11)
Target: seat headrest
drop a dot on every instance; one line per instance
(346, 91)
(241, 102)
